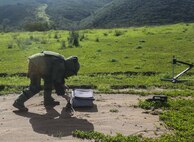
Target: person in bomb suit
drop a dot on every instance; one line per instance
(53, 68)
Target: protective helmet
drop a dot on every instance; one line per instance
(72, 66)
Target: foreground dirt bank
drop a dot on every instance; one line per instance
(113, 113)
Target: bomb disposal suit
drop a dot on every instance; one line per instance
(53, 68)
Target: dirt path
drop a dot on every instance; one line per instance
(57, 125)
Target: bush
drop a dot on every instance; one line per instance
(73, 39)
(138, 47)
(10, 46)
(63, 45)
(118, 33)
(105, 34)
(56, 36)
(113, 60)
(37, 26)
(82, 37)
(97, 39)
(152, 104)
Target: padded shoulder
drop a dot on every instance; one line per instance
(51, 53)
(35, 55)
(47, 53)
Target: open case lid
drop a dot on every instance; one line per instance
(83, 93)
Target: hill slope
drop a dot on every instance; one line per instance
(78, 14)
(63, 14)
(141, 12)
(66, 14)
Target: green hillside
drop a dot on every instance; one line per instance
(15, 13)
(81, 14)
(124, 13)
(67, 14)
(15, 2)
(63, 14)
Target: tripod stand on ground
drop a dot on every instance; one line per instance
(174, 78)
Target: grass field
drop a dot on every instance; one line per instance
(130, 60)
(115, 58)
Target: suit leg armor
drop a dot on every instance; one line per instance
(33, 89)
(48, 99)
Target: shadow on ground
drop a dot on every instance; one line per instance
(55, 124)
(87, 109)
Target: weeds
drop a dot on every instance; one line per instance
(73, 39)
(63, 44)
(114, 110)
(119, 32)
(180, 118)
(100, 137)
(152, 104)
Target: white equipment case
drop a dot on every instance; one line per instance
(82, 98)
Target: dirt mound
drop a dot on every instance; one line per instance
(113, 113)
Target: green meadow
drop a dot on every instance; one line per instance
(126, 60)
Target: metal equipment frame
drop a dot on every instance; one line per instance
(174, 78)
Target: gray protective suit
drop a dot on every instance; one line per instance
(53, 68)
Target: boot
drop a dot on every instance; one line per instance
(19, 103)
(50, 102)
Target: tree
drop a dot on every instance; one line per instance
(37, 26)
(5, 23)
